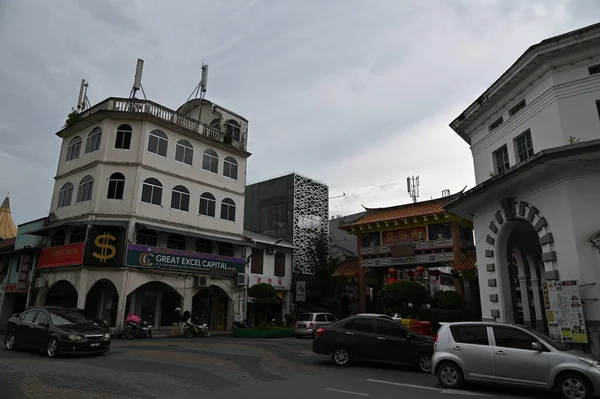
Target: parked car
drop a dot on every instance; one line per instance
(308, 323)
(56, 331)
(512, 354)
(373, 337)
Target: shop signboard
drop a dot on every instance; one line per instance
(62, 255)
(279, 283)
(13, 288)
(146, 257)
(564, 311)
(105, 246)
(404, 236)
(24, 268)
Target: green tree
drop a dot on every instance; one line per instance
(398, 297)
(321, 262)
(451, 300)
(263, 296)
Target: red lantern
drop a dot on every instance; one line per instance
(420, 269)
(410, 273)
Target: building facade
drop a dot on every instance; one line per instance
(535, 139)
(147, 213)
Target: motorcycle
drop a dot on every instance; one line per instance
(195, 327)
(135, 327)
(242, 324)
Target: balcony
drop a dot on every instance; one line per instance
(409, 260)
(418, 246)
(135, 106)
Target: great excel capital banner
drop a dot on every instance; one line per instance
(171, 259)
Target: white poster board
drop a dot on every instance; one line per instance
(564, 311)
(300, 291)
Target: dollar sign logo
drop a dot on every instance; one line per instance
(107, 251)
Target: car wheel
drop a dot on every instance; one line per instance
(52, 348)
(424, 363)
(10, 341)
(450, 375)
(341, 356)
(574, 386)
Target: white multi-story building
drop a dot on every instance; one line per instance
(535, 140)
(147, 213)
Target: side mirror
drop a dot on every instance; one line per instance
(43, 324)
(536, 346)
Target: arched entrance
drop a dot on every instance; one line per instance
(102, 301)
(215, 305)
(62, 293)
(155, 301)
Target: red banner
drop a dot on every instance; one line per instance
(63, 255)
(12, 288)
(404, 236)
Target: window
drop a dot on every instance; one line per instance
(152, 191)
(257, 261)
(123, 139)
(273, 220)
(507, 337)
(77, 235)
(594, 69)
(158, 143)
(321, 318)
(279, 264)
(517, 107)
(361, 325)
(230, 168)
(65, 195)
(176, 241)
(29, 316)
(203, 245)
(116, 186)
(41, 317)
(495, 124)
(524, 146)
(180, 198)
(226, 249)
(234, 130)
(475, 335)
(207, 205)
(215, 123)
(86, 187)
(93, 140)
(228, 209)
(210, 161)
(146, 237)
(58, 238)
(306, 317)
(331, 318)
(501, 163)
(73, 149)
(184, 152)
(390, 328)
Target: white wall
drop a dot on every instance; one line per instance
(269, 267)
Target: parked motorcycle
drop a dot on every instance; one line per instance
(135, 327)
(195, 327)
(242, 324)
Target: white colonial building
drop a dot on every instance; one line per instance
(147, 213)
(535, 140)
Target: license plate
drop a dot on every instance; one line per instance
(301, 325)
(92, 345)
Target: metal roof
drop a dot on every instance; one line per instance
(196, 234)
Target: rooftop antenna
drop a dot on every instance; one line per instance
(137, 80)
(338, 196)
(412, 185)
(200, 89)
(83, 102)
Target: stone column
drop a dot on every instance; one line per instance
(523, 287)
(122, 301)
(362, 298)
(457, 252)
(158, 310)
(535, 287)
(82, 288)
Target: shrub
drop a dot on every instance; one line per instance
(262, 290)
(435, 299)
(299, 311)
(398, 296)
(319, 309)
(437, 316)
(290, 318)
(451, 300)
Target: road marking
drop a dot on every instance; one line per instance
(464, 393)
(403, 385)
(349, 392)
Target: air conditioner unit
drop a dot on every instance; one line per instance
(271, 250)
(241, 279)
(202, 281)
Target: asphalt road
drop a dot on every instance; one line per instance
(218, 367)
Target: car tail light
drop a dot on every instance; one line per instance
(436, 337)
(319, 331)
(310, 326)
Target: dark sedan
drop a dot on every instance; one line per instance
(55, 330)
(373, 337)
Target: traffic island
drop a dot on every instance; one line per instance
(276, 332)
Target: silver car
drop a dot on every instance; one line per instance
(308, 323)
(511, 354)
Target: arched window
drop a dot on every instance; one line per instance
(184, 152)
(116, 186)
(230, 168)
(58, 238)
(225, 249)
(228, 209)
(176, 241)
(93, 140)
(147, 237)
(65, 195)
(77, 235)
(180, 198)
(158, 142)
(208, 204)
(152, 191)
(234, 130)
(85, 189)
(73, 149)
(215, 123)
(210, 161)
(204, 246)
(123, 138)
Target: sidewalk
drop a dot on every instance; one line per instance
(168, 334)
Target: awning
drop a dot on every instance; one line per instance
(349, 268)
(468, 263)
(195, 234)
(76, 223)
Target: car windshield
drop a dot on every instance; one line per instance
(556, 345)
(65, 317)
(305, 317)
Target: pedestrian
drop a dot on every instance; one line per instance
(176, 320)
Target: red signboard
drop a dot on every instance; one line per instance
(12, 288)
(404, 235)
(63, 255)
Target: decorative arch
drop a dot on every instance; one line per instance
(61, 293)
(100, 294)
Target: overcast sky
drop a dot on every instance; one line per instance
(357, 94)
